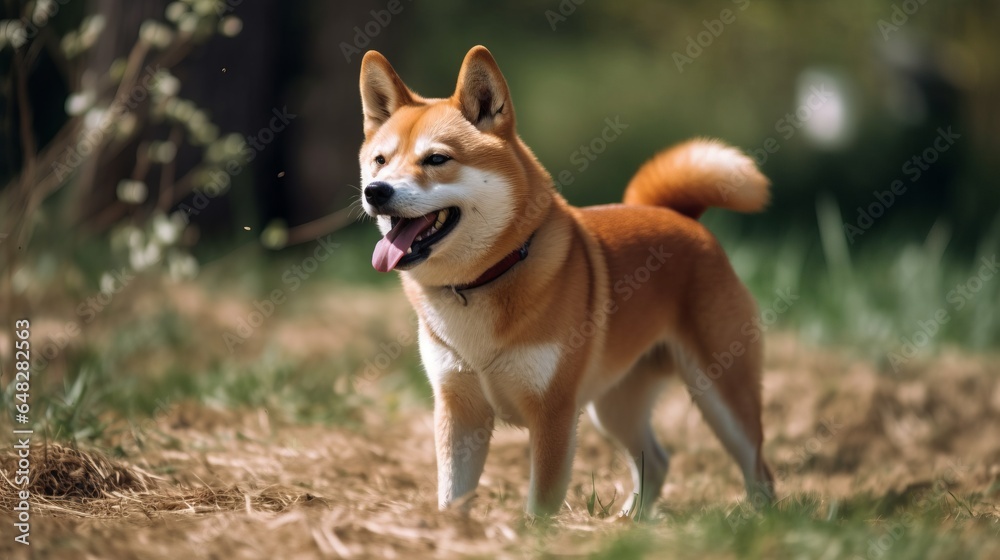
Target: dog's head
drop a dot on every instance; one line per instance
(452, 187)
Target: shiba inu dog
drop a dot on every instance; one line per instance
(531, 310)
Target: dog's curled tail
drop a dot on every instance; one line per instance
(692, 176)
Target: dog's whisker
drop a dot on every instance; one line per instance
(477, 211)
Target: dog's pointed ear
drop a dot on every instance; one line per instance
(482, 94)
(382, 91)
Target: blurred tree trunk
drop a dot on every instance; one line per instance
(326, 145)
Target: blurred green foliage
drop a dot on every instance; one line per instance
(867, 268)
(619, 59)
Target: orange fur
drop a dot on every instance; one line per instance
(697, 174)
(609, 300)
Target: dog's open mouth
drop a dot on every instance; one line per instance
(410, 240)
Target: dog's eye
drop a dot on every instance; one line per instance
(380, 160)
(436, 159)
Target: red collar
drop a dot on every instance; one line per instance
(497, 270)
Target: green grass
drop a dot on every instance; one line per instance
(112, 385)
(95, 397)
(871, 296)
(930, 524)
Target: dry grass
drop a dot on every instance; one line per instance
(70, 482)
(72, 474)
(855, 450)
(243, 487)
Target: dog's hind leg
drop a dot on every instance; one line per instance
(721, 365)
(623, 416)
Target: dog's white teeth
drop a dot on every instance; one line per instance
(441, 217)
(410, 250)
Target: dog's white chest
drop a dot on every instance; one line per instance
(468, 329)
(509, 375)
(517, 376)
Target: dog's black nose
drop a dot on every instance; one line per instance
(378, 193)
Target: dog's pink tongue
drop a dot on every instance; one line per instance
(392, 248)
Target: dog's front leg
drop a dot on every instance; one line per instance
(463, 427)
(553, 443)
(463, 423)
